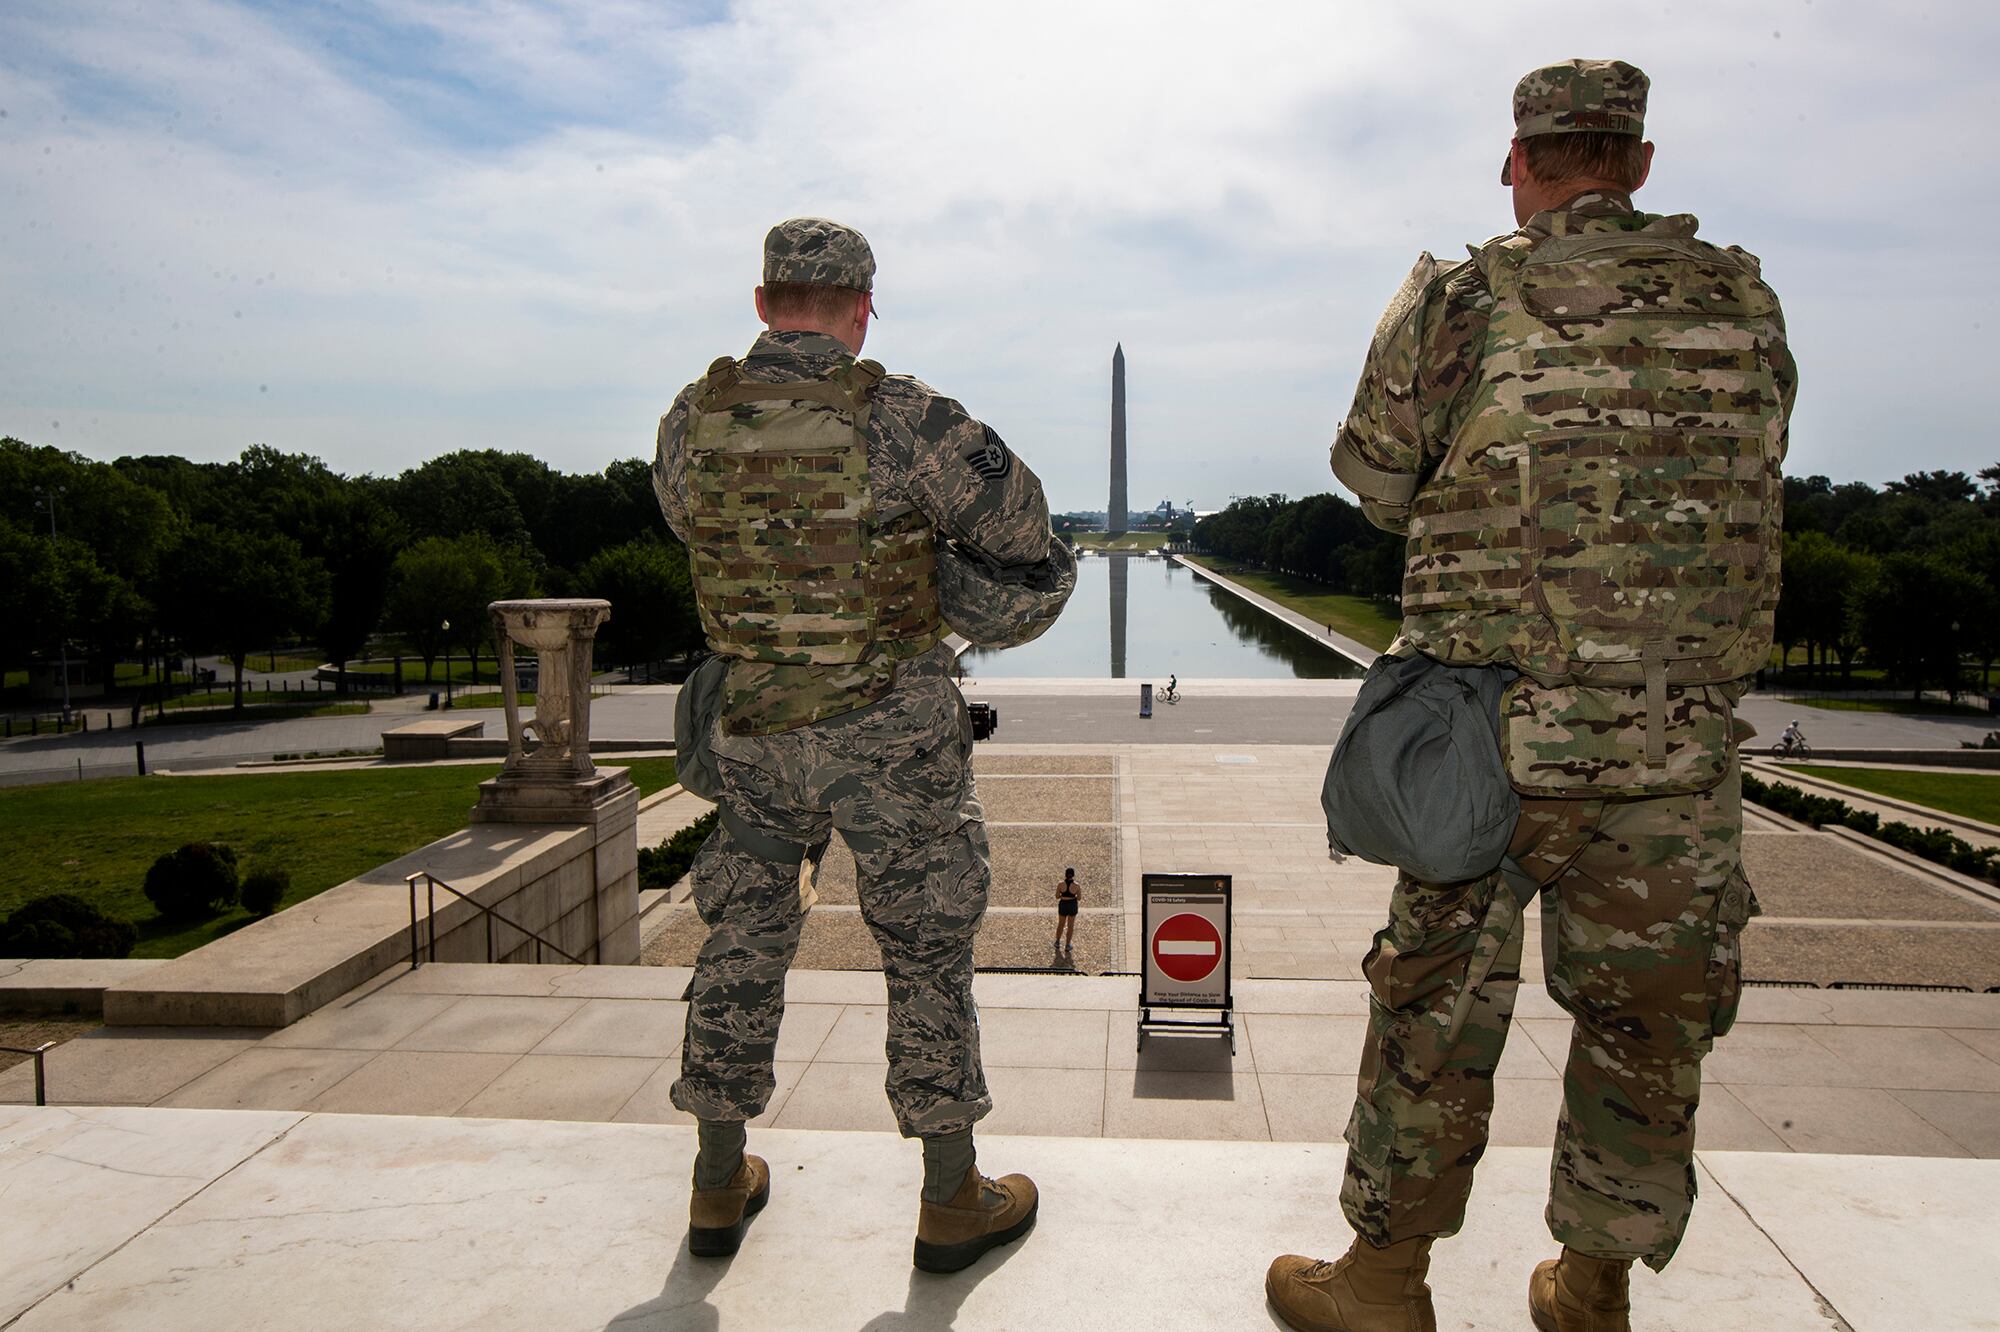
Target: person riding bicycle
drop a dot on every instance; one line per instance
(1793, 737)
(1173, 688)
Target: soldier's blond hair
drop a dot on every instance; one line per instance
(1618, 158)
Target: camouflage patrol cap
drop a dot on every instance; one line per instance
(814, 250)
(1578, 96)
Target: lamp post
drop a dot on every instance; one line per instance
(446, 626)
(47, 499)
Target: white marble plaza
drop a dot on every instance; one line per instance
(213, 1221)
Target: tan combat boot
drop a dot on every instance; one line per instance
(717, 1218)
(1578, 1293)
(984, 1214)
(1367, 1290)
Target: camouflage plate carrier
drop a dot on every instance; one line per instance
(1607, 515)
(795, 573)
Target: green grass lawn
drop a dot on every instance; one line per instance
(491, 698)
(413, 670)
(96, 839)
(222, 698)
(287, 661)
(180, 714)
(1374, 623)
(1127, 541)
(1972, 795)
(1913, 707)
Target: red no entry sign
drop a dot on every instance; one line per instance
(1187, 947)
(1185, 923)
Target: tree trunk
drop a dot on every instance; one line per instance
(429, 658)
(237, 661)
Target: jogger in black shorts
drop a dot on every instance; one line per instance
(1067, 897)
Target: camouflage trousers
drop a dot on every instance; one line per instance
(1643, 902)
(895, 780)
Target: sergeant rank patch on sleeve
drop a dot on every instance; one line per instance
(990, 457)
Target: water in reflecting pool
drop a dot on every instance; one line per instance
(1146, 618)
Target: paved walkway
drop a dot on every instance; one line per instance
(1804, 1071)
(1836, 910)
(1357, 652)
(207, 1221)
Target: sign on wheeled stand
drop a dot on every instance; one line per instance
(1184, 920)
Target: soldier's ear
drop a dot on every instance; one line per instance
(757, 297)
(1645, 165)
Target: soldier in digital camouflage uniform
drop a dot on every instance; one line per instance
(811, 489)
(1580, 433)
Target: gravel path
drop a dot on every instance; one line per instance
(838, 940)
(1807, 876)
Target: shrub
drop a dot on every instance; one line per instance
(64, 925)
(193, 883)
(264, 889)
(661, 866)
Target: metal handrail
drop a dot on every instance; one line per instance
(432, 883)
(41, 1079)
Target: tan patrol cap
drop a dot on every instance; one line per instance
(816, 251)
(1578, 96)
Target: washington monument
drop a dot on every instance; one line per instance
(1114, 517)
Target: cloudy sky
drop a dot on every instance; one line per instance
(380, 230)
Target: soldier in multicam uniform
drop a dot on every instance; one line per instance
(811, 490)
(1580, 432)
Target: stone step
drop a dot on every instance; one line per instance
(189, 1219)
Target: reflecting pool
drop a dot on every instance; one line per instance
(1148, 618)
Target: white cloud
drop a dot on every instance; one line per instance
(378, 236)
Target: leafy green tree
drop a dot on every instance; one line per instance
(363, 536)
(652, 601)
(1821, 580)
(78, 592)
(30, 615)
(442, 580)
(1912, 618)
(234, 593)
(461, 494)
(592, 513)
(1979, 555)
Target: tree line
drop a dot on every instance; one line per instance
(1904, 580)
(1321, 537)
(156, 557)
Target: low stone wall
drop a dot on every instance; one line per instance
(575, 884)
(430, 739)
(63, 986)
(1929, 758)
(587, 905)
(436, 738)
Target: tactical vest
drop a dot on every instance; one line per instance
(1608, 512)
(792, 564)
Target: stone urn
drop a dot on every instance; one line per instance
(548, 773)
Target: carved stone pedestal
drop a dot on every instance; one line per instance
(552, 779)
(548, 776)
